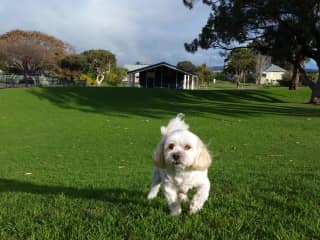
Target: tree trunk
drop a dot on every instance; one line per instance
(295, 78)
(100, 78)
(315, 94)
(238, 79)
(262, 63)
(259, 75)
(314, 86)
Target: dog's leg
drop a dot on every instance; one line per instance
(171, 195)
(183, 197)
(200, 197)
(155, 185)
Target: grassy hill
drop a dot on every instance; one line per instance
(75, 163)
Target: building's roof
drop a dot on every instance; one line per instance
(274, 68)
(132, 67)
(158, 65)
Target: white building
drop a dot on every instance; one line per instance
(272, 74)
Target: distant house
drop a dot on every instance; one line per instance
(272, 74)
(162, 75)
(133, 67)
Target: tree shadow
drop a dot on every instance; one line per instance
(156, 103)
(115, 196)
(236, 96)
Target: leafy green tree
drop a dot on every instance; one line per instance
(99, 63)
(241, 61)
(94, 63)
(187, 66)
(221, 76)
(73, 65)
(277, 52)
(76, 62)
(289, 29)
(205, 74)
(116, 76)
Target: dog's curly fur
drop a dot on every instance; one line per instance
(181, 162)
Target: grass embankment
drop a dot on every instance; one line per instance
(75, 163)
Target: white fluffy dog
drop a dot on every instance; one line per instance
(181, 163)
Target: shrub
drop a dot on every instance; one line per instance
(89, 80)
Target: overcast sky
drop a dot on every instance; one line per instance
(148, 31)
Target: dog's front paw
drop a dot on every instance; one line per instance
(176, 212)
(152, 195)
(175, 209)
(194, 208)
(183, 197)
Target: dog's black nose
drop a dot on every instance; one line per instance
(176, 156)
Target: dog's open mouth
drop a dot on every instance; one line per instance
(177, 162)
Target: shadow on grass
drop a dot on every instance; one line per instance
(116, 196)
(156, 103)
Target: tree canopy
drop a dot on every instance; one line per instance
(95, 64)
(116, 75)
(287, 29)
(187, 66)
(32, 51)
(205, 74)
(240, 61)
(99, 62)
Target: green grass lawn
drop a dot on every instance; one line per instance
(227, 85)
(75, 163)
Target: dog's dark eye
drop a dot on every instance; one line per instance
(171, 146)
(187, 147)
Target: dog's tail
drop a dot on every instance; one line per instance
(174, 124)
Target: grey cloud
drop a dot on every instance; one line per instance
(142, 30)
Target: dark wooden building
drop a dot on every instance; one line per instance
(162, 75)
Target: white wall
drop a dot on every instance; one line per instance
(271, 77)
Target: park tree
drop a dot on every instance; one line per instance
(240, 62)
(262, 62)
(187, 66)
(116, 75)
(290, 30)
(73, 65)
(99, 63)
(32, 52)
(92, 64)
(282, 54)
(205, 74)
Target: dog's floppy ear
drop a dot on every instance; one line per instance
(203, 159)
(158, 155)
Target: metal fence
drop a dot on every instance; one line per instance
(13, 80)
